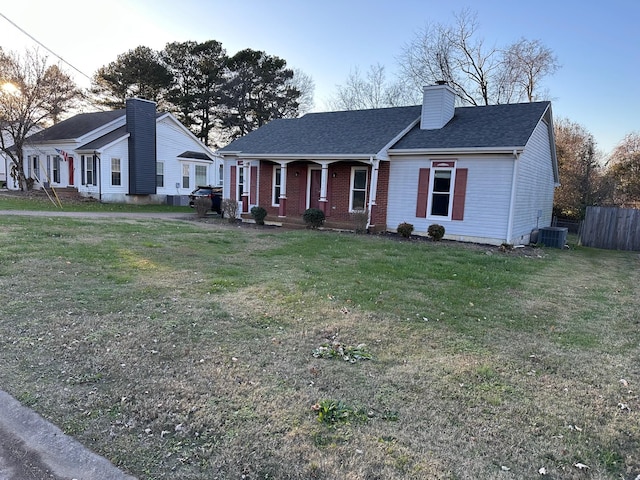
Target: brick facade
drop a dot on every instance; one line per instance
(338, 190)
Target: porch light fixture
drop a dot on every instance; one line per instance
(297, 174)
(334, 174)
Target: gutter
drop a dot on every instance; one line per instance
(449, 151)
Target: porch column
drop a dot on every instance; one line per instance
(373, 190)
(282, 208)
(324, 179)
(245, 186)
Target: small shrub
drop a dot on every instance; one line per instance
(202, 206)
(258, 214)
(405, 229)
(435, 231)
(230, 209)
(360, 218)
(313, 217)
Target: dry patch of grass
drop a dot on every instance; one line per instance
(186, 351)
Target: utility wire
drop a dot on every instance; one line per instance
(43, 45)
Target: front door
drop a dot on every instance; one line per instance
(71, 182)
(315, 182)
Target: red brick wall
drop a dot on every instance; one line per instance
(338, 189)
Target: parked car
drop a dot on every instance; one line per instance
(214, 193)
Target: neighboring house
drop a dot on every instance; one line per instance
(123, 156)
(487, 174)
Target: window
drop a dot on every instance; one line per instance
(240, 181)
(358, 197)
(220, 174)
(185, 176)
(201, 175)
(89, 170)
(34, 167)
(277, 185)
(89, 177)
(56, 169)
(159, 174)
(441, 193)
(115, 172)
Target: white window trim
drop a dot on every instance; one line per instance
(195, 175)
(160, 166)
(432, 179)
(186, 167)
(119, 171)
(88, 167)
(351, 189)
(275, 200)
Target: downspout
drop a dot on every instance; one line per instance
(99, 173)
(512, 202)
(373, 188)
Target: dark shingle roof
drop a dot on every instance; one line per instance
(196, 155)
(105, 139)
(368, 131)
(508, 125)
(76, 126)
(356, 132)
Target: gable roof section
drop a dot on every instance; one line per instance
(105, 140)
(492, 126)
(76, 126)
(354, 132)
(367, 132)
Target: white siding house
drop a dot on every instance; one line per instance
(485, 173)
(93, 154)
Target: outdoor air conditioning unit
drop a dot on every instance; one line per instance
(555, 237)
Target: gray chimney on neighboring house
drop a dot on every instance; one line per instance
(141, 126)
(438, 106)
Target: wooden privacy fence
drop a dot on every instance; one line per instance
(611, 228)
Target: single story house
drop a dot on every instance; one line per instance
(485, 173)
(123, 156)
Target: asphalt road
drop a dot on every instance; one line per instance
(32, 448)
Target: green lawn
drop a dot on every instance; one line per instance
(186, 350)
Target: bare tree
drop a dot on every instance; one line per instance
(525, 64)
(32, 95)
(480, 74)
(306, 86)
(371, 90)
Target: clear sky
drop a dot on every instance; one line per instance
(597, 43)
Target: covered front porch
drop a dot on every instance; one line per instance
(341, 188)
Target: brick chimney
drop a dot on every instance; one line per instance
(438, 105)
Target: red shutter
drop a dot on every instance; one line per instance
(459, 193)
(423, 193)
(253, 188)
(232, 184)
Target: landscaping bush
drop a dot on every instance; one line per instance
(202, 206)
(313, 217)
(230, 209)
(360, 218)
(405, 229)
(435, 231)
(258, 214)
